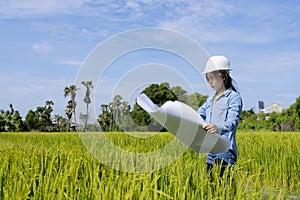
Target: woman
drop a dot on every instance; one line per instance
(221, 111)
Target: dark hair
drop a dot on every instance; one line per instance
(227, 80)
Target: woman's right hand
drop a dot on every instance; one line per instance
(210, 128)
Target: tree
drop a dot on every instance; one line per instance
(181, 94)
(196, 100)
(11, 120)
(71, 106)
(46, 115)
(287, 120)
(60, 124)
(115, 116)
(40, 119)
(104, 119)
(32, 121)
(159, 94)
(115, 110)
(87, 99)
(246, 113)
(69, 113)
(124, 121)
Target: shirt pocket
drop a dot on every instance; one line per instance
(219, 114)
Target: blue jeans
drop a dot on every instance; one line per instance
(218, 162)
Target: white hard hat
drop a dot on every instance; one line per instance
(215, 63)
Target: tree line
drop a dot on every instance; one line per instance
(287, 120)
(118, 115)
(41, 119)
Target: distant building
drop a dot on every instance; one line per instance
(273, 108)
(261, 105)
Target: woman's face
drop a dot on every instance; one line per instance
(215, 81)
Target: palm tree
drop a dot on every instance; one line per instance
(69, 113)
(125, 108)
(115, 111)
(48, 109)
(87, 99)
(72, 103)
(58, 119)
(103, 117)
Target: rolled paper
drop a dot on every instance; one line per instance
(185, 124)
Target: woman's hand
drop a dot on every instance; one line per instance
(210, 128)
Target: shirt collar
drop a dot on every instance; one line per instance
(226, 93)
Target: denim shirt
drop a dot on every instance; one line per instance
(225, 113)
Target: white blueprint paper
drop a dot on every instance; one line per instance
(186, 124)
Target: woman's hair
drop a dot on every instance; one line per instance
(227, 80)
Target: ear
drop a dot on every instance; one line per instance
(223, 76)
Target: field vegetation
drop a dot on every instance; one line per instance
(57, 166)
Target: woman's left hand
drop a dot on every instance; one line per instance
(210, 128)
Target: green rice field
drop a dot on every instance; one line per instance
(58, 166)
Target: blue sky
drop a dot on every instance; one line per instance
(44, 43)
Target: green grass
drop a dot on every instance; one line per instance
(58, 166)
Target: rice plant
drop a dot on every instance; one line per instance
(58, 166)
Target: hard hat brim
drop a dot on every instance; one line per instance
(219, 69)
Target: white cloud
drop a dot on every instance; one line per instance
(132, 4)
(209, 21)
(42, 47)
(71, 62)
(31, 8)
(243, 22)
